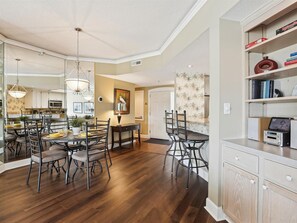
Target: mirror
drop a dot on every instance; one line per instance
(43, 78)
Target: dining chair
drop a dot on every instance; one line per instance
(96, 149)
(193, 143)
(171, 131)
(41, 156)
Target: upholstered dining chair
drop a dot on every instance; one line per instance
(96, 149)
(41, 156)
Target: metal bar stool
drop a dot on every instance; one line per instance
(172, 133)
(192, 142)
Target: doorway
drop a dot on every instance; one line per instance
(160, 99)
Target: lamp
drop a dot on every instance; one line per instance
(17, 91)
(88, 94)
(77, 84)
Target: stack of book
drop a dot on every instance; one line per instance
(292, 59)
(262, 89)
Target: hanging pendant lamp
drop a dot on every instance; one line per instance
(17, 91)
(88, 94)
(77, 84)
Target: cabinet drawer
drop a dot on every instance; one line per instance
(243, 160)
(281, 174)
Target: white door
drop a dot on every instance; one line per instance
(159, 102)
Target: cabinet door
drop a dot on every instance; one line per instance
(44, 99)
(279, 204)
(239, 194)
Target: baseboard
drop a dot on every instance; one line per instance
(215, 211)
(144, 136)
(16, 164)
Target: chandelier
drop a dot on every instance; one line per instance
(17, 91)
(88, 94)
(77, 84)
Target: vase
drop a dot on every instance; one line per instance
(265, 65)
(75, 130)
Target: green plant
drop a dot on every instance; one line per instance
(88, 116)
(76, 122)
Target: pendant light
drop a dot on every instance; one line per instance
(17, 91)
(88, 94)
(77, 84)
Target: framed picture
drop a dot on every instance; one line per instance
(77, 107)
(121, 101)
(89, 107)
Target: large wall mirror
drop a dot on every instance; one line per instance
(42, 77)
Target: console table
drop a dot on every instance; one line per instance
(124, 128)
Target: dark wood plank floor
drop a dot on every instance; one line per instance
(139, 191)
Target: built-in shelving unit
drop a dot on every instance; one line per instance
(277, 47)
(277, 42)
(284, 72)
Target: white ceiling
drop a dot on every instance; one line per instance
(196, 55)
(112, 29)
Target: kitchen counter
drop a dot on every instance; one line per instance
(201, 126)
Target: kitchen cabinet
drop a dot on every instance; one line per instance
(259, 182)
(240, 194)
(37, 98)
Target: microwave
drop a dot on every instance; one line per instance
(54, 104)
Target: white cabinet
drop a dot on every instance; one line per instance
(37, 98)
(240, 194)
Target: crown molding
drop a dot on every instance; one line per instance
(193, 11)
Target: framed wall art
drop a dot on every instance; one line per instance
(121, 101)
(77, 107)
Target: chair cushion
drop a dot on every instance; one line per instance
(10, 137)
(94, 154)
(21, 139)
(56, 147)
(50, 155)
(194, 136)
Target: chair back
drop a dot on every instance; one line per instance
(34, 137)
(181, 124)
(169, 122)
(97, 134)
(57, 125)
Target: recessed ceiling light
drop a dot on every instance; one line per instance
(190, 66)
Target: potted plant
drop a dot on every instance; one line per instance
(76, 125)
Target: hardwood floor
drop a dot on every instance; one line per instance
(139, 191)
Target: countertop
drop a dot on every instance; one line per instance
(269, 151)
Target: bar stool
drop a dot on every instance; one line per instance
(172, 133)
(192, 142)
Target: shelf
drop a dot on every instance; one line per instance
(275, 43)
(287, 71)
(273, 100)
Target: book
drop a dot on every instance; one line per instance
(263, 89)
(256, 89)
(255, 42)
(286, 27)
(293, 54)
(291, 58)
(271, 89)
(267, 88)
(290, 62)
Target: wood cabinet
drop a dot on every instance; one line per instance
(279, 204)
(240, 194)
(264, 191)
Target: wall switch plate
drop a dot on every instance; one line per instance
(227, 108)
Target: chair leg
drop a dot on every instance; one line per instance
(29, 172)
(189, 167)
(39, 176)
(109, 157)
(88, 176)
(166, 154)
(107, 168)
(76, 164)
(67, 170)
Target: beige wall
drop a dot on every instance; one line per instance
(144, 123)
(105, 87)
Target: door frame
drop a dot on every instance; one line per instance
(159, 89)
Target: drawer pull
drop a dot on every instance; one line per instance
(289, 178)
(265, 187)
(236, 158)
(252, 181)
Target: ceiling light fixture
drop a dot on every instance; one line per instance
(88, 94)
(17, 91)
(77, 84)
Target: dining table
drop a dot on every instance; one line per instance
(65, 139)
